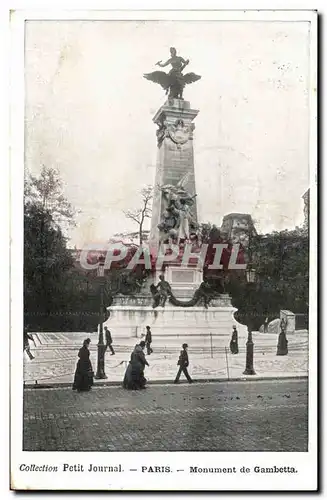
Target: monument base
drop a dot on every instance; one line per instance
(172, 325)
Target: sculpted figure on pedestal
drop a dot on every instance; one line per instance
(177, 220)
(174, 81)
(161, 292)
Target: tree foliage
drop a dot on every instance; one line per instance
(46, 191)
(46, 261)
(56, 296)
(281, 261)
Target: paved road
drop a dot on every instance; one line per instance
(228, 416)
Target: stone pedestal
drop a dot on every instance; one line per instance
(174, 325)
(183, 280)
(289, 317)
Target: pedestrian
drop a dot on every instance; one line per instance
(234, 342)
(26, 347)
(134, 377)
(83, 379)
(109, 340)
(148, 341)
(183, 364)
(282, 346)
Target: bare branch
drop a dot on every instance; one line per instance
(133, 216)
(138, 215)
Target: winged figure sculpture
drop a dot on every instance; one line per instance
(174, 81)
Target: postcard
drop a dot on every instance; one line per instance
(163, 250)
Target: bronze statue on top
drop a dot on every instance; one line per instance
(174, 81)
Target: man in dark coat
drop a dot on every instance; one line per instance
(148, 341)
(109, 340)
(183, 364)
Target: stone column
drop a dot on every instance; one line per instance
(174, 156)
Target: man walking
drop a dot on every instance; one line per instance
(148, 341)
(109, 340)
(183, 364)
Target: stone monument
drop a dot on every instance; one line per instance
(174, 217)
(176, 301)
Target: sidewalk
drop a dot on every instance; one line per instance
(57, 365)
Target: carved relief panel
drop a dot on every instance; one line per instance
(178, 132)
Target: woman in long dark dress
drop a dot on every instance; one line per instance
(134, 377)
(234, 342)
(83, 379)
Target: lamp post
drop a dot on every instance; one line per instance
(249, 370)
(100, 374)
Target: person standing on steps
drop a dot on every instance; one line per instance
(148, 341)
(183, 364)
(109, 340)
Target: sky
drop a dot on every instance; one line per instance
(88, 113)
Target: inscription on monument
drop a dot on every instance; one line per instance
(182, 276)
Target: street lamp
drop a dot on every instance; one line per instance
(250, 275)
(100, 374)
(249, 370)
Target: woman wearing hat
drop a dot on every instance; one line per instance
(183, 364)
(83, 379)
(134, 377)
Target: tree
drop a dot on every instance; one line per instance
(57, 297)
(48, 302)
(139, 215)
(281, 260)
(46, 262)
(46, 191)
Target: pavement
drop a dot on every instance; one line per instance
(56, 357)
(224, 416)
